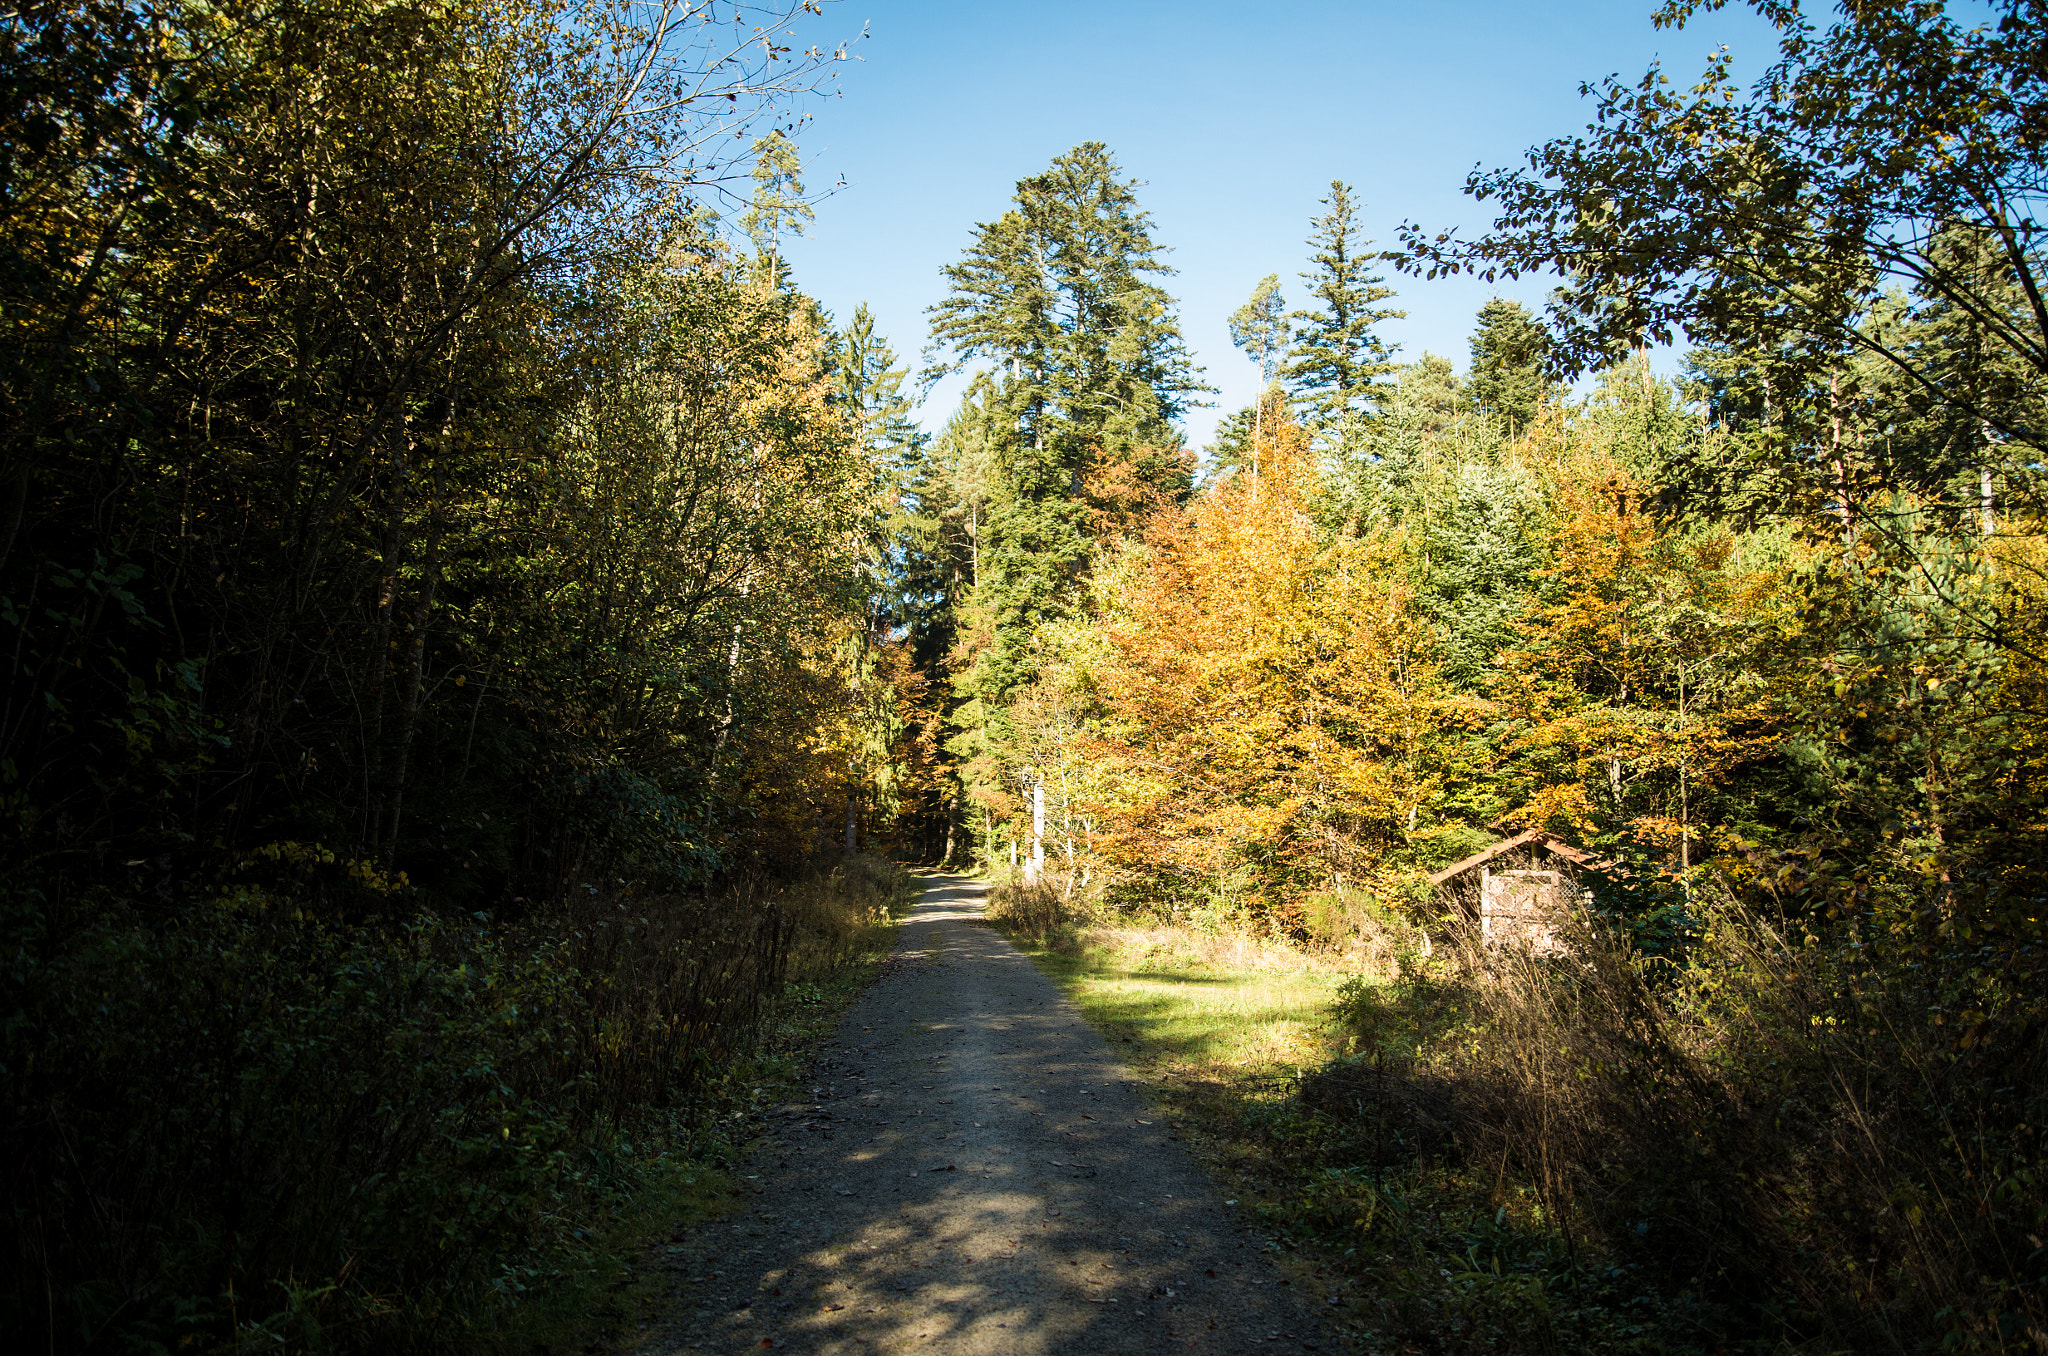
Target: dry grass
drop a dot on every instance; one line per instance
(1778, 1148)
(1783, 1131)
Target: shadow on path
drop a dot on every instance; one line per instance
(976, 1174)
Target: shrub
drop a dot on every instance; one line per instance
(1037, 910)
(246, 1120)
(1783, 1132)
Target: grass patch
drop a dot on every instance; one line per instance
(1484, 1151)
(1222, 1029)
(1266, 1016)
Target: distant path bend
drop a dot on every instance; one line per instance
(975, 1176)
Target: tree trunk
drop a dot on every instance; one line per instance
(1037, 869)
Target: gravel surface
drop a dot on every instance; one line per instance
(977, 1174)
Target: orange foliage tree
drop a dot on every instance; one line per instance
(1264, 700)
(1641, 678)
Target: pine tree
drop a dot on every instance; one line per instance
(1509, 351)
(1259, 327)
(870, 388)
(1230, 447)
(1338, 357)
(778, 207)
(1090, 372)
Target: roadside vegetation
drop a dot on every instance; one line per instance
(436, 575)
(1479, 1149)
(610, 1282)
(474, 627)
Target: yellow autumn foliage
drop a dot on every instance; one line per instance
(1263, 690)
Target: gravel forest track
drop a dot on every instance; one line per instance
(977, 1176)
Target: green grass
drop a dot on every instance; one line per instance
(1221, 1032)
(1429, 1257)
(1192, 1014)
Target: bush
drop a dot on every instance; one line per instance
(1783, 1137)
(1038, 911)
(249, 1121)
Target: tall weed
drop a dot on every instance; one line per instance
(1038, 910)
(1781, 1137)
(248, 1122)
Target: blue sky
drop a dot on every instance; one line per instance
(1236, 117)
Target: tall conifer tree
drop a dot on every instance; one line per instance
(1508, 353)
(778, 207)
(1338, 356)
(1260, 328)
(1058, 296)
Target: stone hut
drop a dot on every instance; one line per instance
(1520, 889)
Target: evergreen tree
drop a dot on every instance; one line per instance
(1259, 327)
(778, 207)
(1338, 357)
(1090, 373)
(1509, 351)
(870, 387)
(1231, 445)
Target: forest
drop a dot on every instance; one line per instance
(483, 641)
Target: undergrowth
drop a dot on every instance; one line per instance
(604, 1290)
(253, 1124)
(1768, 1148)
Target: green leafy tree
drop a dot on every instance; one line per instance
(1775, 219)
(1230, 447)
(1089, 372)
(389, 461)
(778, 206)
(1259, 327)
(870, 389)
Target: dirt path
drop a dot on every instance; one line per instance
(977, 1174)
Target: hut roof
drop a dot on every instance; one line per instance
(1550, 842)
